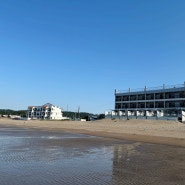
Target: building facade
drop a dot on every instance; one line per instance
(46, 111)
(160, 101)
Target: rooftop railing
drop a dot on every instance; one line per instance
(150, 88)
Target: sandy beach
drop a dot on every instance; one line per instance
(151, 131)
(53, 152)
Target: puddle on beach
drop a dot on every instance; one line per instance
(29, 156)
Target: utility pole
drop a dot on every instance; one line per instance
(78, 112)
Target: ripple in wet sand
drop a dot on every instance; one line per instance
(30, 157)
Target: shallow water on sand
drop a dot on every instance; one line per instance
(29, 156)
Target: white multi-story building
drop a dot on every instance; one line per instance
(46, 111)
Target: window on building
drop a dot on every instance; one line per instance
(118, 98)
(177, 104)
(159, 96)
(118, 106)
(177, 95)
(125, 98)
(141, 97)
(149, 96)
(133, 97)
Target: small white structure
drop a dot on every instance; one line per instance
(160, 113)
(108, 114)
(15, 117)
(46, 111)
(82, 119)
(183, 116)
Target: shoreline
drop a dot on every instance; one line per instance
(148, 131)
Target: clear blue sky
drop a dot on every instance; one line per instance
(77, 52)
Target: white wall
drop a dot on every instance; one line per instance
(55, 113)
(183, 116)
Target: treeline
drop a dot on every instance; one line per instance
(82, 115)
(72, 115)
(8, 112)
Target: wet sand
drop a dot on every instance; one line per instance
(36, 156)
(151, 131)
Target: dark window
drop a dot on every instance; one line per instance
(159, 96)
(118, 98)
(125, 98)
(141, 97)
(132, 98)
